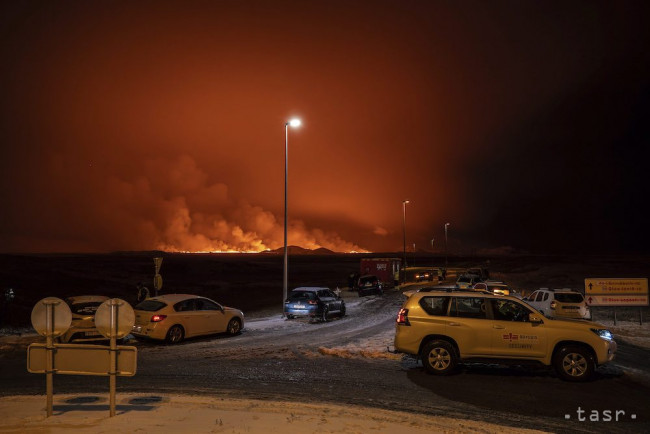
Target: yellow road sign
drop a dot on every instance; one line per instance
(616, 286)
(82, 359)
(617, 300)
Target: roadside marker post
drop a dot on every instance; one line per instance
(114, 319)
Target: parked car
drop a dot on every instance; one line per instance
(446, 328)
(483, 273)
(82, 328)
(425, 275)
(495, 287)
(467, 281)
(314, 302)
(174, 317)
(369, 285)
(564, 303)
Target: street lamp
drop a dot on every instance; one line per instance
(446, 248)
(404, 202)
(294, 123)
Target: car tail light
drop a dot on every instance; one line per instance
(402, 317)
(158, 318)
(313, 302)
(553, 304)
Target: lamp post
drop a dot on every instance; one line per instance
(446, 248)
(293, 123)
(404, 202)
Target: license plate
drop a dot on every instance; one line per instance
(299, 306)
(90, 334)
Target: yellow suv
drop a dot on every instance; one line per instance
(444, 328)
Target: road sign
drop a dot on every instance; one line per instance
(157, 282)
(617, 300)
(157, 262)
(51, 316)
(616, 292)
(82, 359)
(114, 318)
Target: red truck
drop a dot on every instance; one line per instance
(386, 269)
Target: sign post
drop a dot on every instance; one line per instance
(51, 317)
(114, 319)
(157, 278)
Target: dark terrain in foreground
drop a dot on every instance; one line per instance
(253, 282)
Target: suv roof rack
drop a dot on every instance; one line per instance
(451, 288)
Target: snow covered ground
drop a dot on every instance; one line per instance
(184, 414)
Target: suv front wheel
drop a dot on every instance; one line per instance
(439, 357)
(574, 363)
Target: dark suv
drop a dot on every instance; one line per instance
(314, 302)
(369, 285)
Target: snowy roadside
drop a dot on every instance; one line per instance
(179, 413)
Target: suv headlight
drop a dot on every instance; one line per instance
(604, 334)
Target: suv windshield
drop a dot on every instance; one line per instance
(568, 297)
(150, 305)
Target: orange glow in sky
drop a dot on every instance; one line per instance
(160, 125)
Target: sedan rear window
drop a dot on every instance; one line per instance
(568, 297)
(150, 305)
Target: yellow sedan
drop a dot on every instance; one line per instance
(174, 317)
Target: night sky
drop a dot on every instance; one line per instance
(160, 125)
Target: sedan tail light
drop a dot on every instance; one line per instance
(158, 318)
(313, 302)
(402, 317)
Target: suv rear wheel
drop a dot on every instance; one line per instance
(439, 357)
(574, 363)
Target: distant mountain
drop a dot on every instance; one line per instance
(297, 250)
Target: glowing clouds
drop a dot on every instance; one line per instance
(183, 212)
(380, 231)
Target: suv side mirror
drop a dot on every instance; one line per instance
(535, 318)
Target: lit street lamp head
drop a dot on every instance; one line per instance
(405, 201)
(294, 122)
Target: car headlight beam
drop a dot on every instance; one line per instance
(604, 334)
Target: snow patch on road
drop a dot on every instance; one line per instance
(375, 347)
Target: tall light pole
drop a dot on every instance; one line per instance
(404, 202)
(293, 123)
(446, 245)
